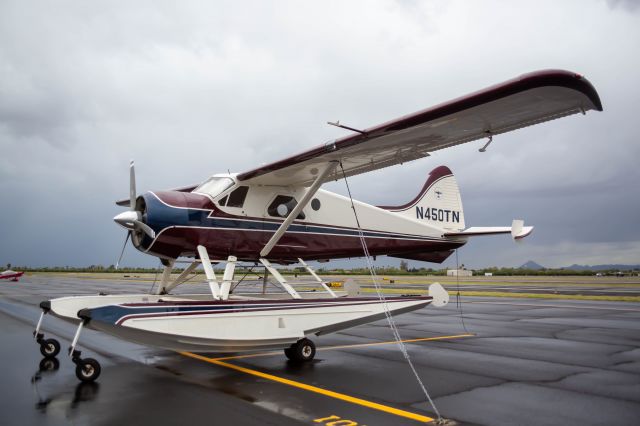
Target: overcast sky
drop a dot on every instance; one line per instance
(189, 88)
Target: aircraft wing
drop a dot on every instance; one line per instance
(524, 101)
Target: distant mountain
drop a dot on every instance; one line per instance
(575, 267)
(615, 267)
(531, 265)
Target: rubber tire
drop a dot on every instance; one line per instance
(289, 353)
(87, 370)
(49, 348)
(304, 350)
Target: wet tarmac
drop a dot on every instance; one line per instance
(526, 362)
(570, 285)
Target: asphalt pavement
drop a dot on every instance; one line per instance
(495, 361)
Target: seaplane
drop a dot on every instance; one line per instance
(11, 275)
(278, 214)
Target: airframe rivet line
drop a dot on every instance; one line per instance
(356, 345)
(332, 394)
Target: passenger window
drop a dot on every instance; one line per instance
(282, 206)
(236, 198)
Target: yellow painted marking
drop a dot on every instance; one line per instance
(342, 422)
(357, 345)
(324, 419)
(421, 339)
(315, 389)
(553, 305)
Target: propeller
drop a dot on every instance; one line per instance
(132, 219)
(124, 246)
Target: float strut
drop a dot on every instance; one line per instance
(36, 333)
(72, 349)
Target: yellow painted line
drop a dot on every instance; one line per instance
(315, 389)
(357, 345)
(553, 305)
(422, 339)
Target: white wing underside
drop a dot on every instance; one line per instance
(525, 101)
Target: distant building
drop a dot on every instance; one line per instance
(488, 274)
(459, 273)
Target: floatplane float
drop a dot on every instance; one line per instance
(277, 214)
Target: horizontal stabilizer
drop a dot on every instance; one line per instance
(517, 230)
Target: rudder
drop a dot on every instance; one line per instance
(438, 203)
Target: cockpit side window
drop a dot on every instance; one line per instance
(282, 205)
(237, 197)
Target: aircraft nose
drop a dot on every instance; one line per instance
(127, 219)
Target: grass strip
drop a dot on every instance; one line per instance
(516, 295)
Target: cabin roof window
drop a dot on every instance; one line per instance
(214, 186)
(282, 205)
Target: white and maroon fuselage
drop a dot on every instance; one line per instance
(326, 229)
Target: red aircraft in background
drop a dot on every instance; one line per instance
(10, 275)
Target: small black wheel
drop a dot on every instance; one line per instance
(87, 370)
(290, 354)
(49, 348)
(304, 350)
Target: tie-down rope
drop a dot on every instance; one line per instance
(387, 313)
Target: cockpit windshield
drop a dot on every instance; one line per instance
(214, 186)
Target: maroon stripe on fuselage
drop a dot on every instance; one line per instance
(202, 202)
(246, 245)
(272, 302)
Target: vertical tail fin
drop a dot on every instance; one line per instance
(438, 203)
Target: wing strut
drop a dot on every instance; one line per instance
(298, 208)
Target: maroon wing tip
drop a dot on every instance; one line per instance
(570, 79)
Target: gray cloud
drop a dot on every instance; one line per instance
(192, 88)
(627, 5)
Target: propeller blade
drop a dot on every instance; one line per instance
(132, 186)
(123, 247)
(145, 228)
